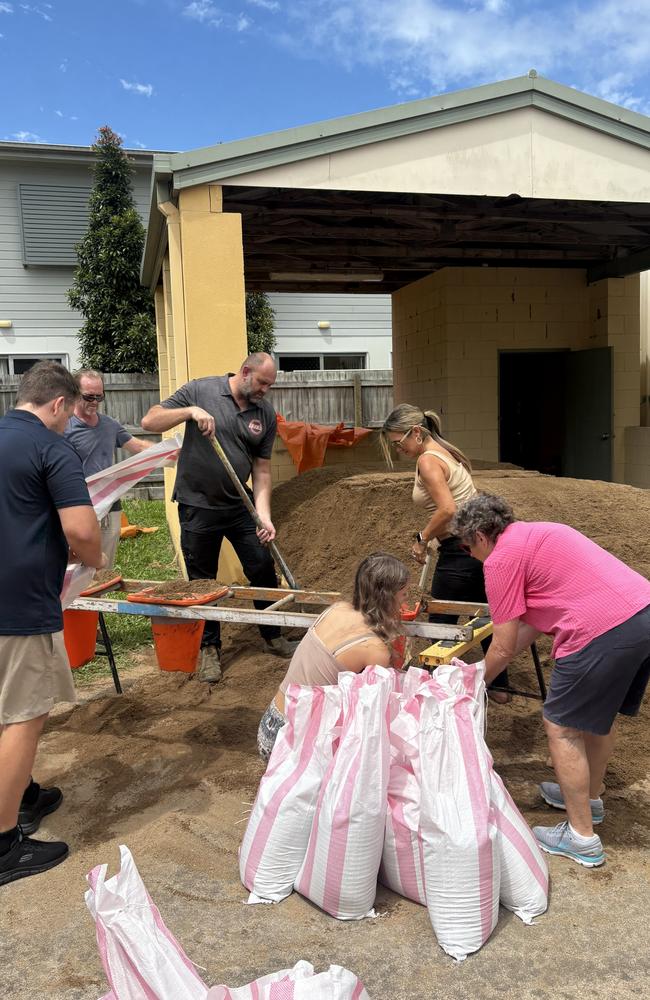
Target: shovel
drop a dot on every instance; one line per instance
(253, 513)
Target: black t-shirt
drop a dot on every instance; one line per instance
(41, 473)
(201, 479)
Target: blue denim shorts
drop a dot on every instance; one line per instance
(607, 677)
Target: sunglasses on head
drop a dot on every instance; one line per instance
(92, 397)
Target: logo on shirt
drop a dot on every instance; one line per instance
(255, 426)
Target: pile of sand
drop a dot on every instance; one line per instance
(327, 524)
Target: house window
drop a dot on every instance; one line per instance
(320, 362)
(19, 364)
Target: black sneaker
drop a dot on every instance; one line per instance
(29, 857)
(30, 816)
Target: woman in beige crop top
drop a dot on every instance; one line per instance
(347, 636)
(443, 483)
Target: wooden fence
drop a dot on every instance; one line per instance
(355, 398)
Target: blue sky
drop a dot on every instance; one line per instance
(178, 74)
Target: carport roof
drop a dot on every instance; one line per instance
(304, 228)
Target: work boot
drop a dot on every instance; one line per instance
(552, 795)
(281, 646)
(209, 665)
(37, 802)
(560, 839)
(29, 857)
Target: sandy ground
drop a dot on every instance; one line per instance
(169, 767)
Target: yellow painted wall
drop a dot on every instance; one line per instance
(449, 327)
(201, 314)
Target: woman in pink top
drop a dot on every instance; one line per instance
(547, 578)
(348, 636)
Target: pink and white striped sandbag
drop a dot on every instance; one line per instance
(105, 488)
(457, 823)
(524, 872)
(142, 959)
(277, 834)
(299, 983)
(339, 873)
(402, 859)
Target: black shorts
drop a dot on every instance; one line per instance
(608, 677)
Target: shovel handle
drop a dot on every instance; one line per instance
(239, 486)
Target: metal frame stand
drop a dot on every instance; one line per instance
(108, 652)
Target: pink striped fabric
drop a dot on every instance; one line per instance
(339, 873)
(402, 860)
(105, 488)
(277, 834)
(141, 957)
(524, 872)
(461, 861)
(299, 983)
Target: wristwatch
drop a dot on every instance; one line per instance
(419, 538)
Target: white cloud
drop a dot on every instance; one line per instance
(39, 10)
(24, 136)
(205, 12)
(6, 8)
(434, 45)
(59, 114)
(243, 22)
(140, 145)
(143, 89)
(63, 65)
(266, 4)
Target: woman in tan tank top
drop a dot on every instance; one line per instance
(347, 636)
(443, 483)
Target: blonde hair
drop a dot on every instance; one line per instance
(404, 418)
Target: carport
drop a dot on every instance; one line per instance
(509, 222)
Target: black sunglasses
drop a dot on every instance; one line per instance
(91, 397)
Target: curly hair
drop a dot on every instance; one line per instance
(486, 513)
(378, 580)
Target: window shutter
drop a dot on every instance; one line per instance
(54, 218)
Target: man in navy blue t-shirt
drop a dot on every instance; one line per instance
(45, 511)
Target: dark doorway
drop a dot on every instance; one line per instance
(555, 411)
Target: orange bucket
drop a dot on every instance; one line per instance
(80, 636)
(177, 643)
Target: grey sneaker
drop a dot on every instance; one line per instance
(209, 665)
(560, 840)
(552, 795)
(281, 646)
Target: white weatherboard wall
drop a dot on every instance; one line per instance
(34, 298)
(359, 324)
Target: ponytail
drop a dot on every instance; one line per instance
(432, 424)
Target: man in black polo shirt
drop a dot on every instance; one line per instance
(209, 507)
(45, 509)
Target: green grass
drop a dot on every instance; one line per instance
(145, 557)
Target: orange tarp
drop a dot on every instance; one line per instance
(306, 443)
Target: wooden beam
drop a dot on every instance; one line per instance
(620, 267)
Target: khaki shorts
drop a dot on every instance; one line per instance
(34, 675)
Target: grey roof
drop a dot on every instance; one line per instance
(214, 164)
(61, 152)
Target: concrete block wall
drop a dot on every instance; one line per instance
(449, 328)
(365, 456)
(637, 456)
(615, 319)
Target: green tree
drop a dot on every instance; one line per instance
(119, 333)
(259, 322)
